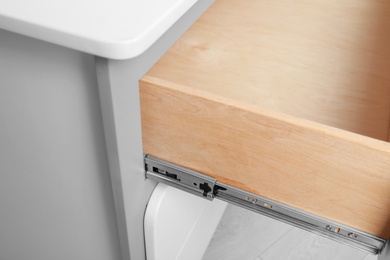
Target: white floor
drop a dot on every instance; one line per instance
(244, 235)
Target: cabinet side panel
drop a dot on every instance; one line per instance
(55, 191)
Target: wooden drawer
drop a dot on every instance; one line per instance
(289, 100)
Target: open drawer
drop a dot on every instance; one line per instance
(288, 100)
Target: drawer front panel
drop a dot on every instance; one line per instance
(332, 173)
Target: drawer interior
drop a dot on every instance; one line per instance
(286, 99)
(325, 61)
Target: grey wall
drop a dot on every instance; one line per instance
(55, 191)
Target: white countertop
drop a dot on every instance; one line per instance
(117, 29)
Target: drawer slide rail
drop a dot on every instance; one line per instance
(209, 188)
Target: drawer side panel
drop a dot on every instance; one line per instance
(329, 172)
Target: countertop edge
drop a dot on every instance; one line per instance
(111, 49)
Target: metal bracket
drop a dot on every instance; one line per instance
(298, 218)
(179, 177)
(209, 188)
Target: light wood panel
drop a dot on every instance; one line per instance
(252, 96)
(326, 171)
(327, 61)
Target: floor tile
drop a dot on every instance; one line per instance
(302, 245)
(242, 233)
(245, 235)
(371, 257)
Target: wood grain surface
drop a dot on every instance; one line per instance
(323, 170)
(256, 94)
(326, 61)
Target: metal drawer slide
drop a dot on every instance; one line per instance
(209, 188)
